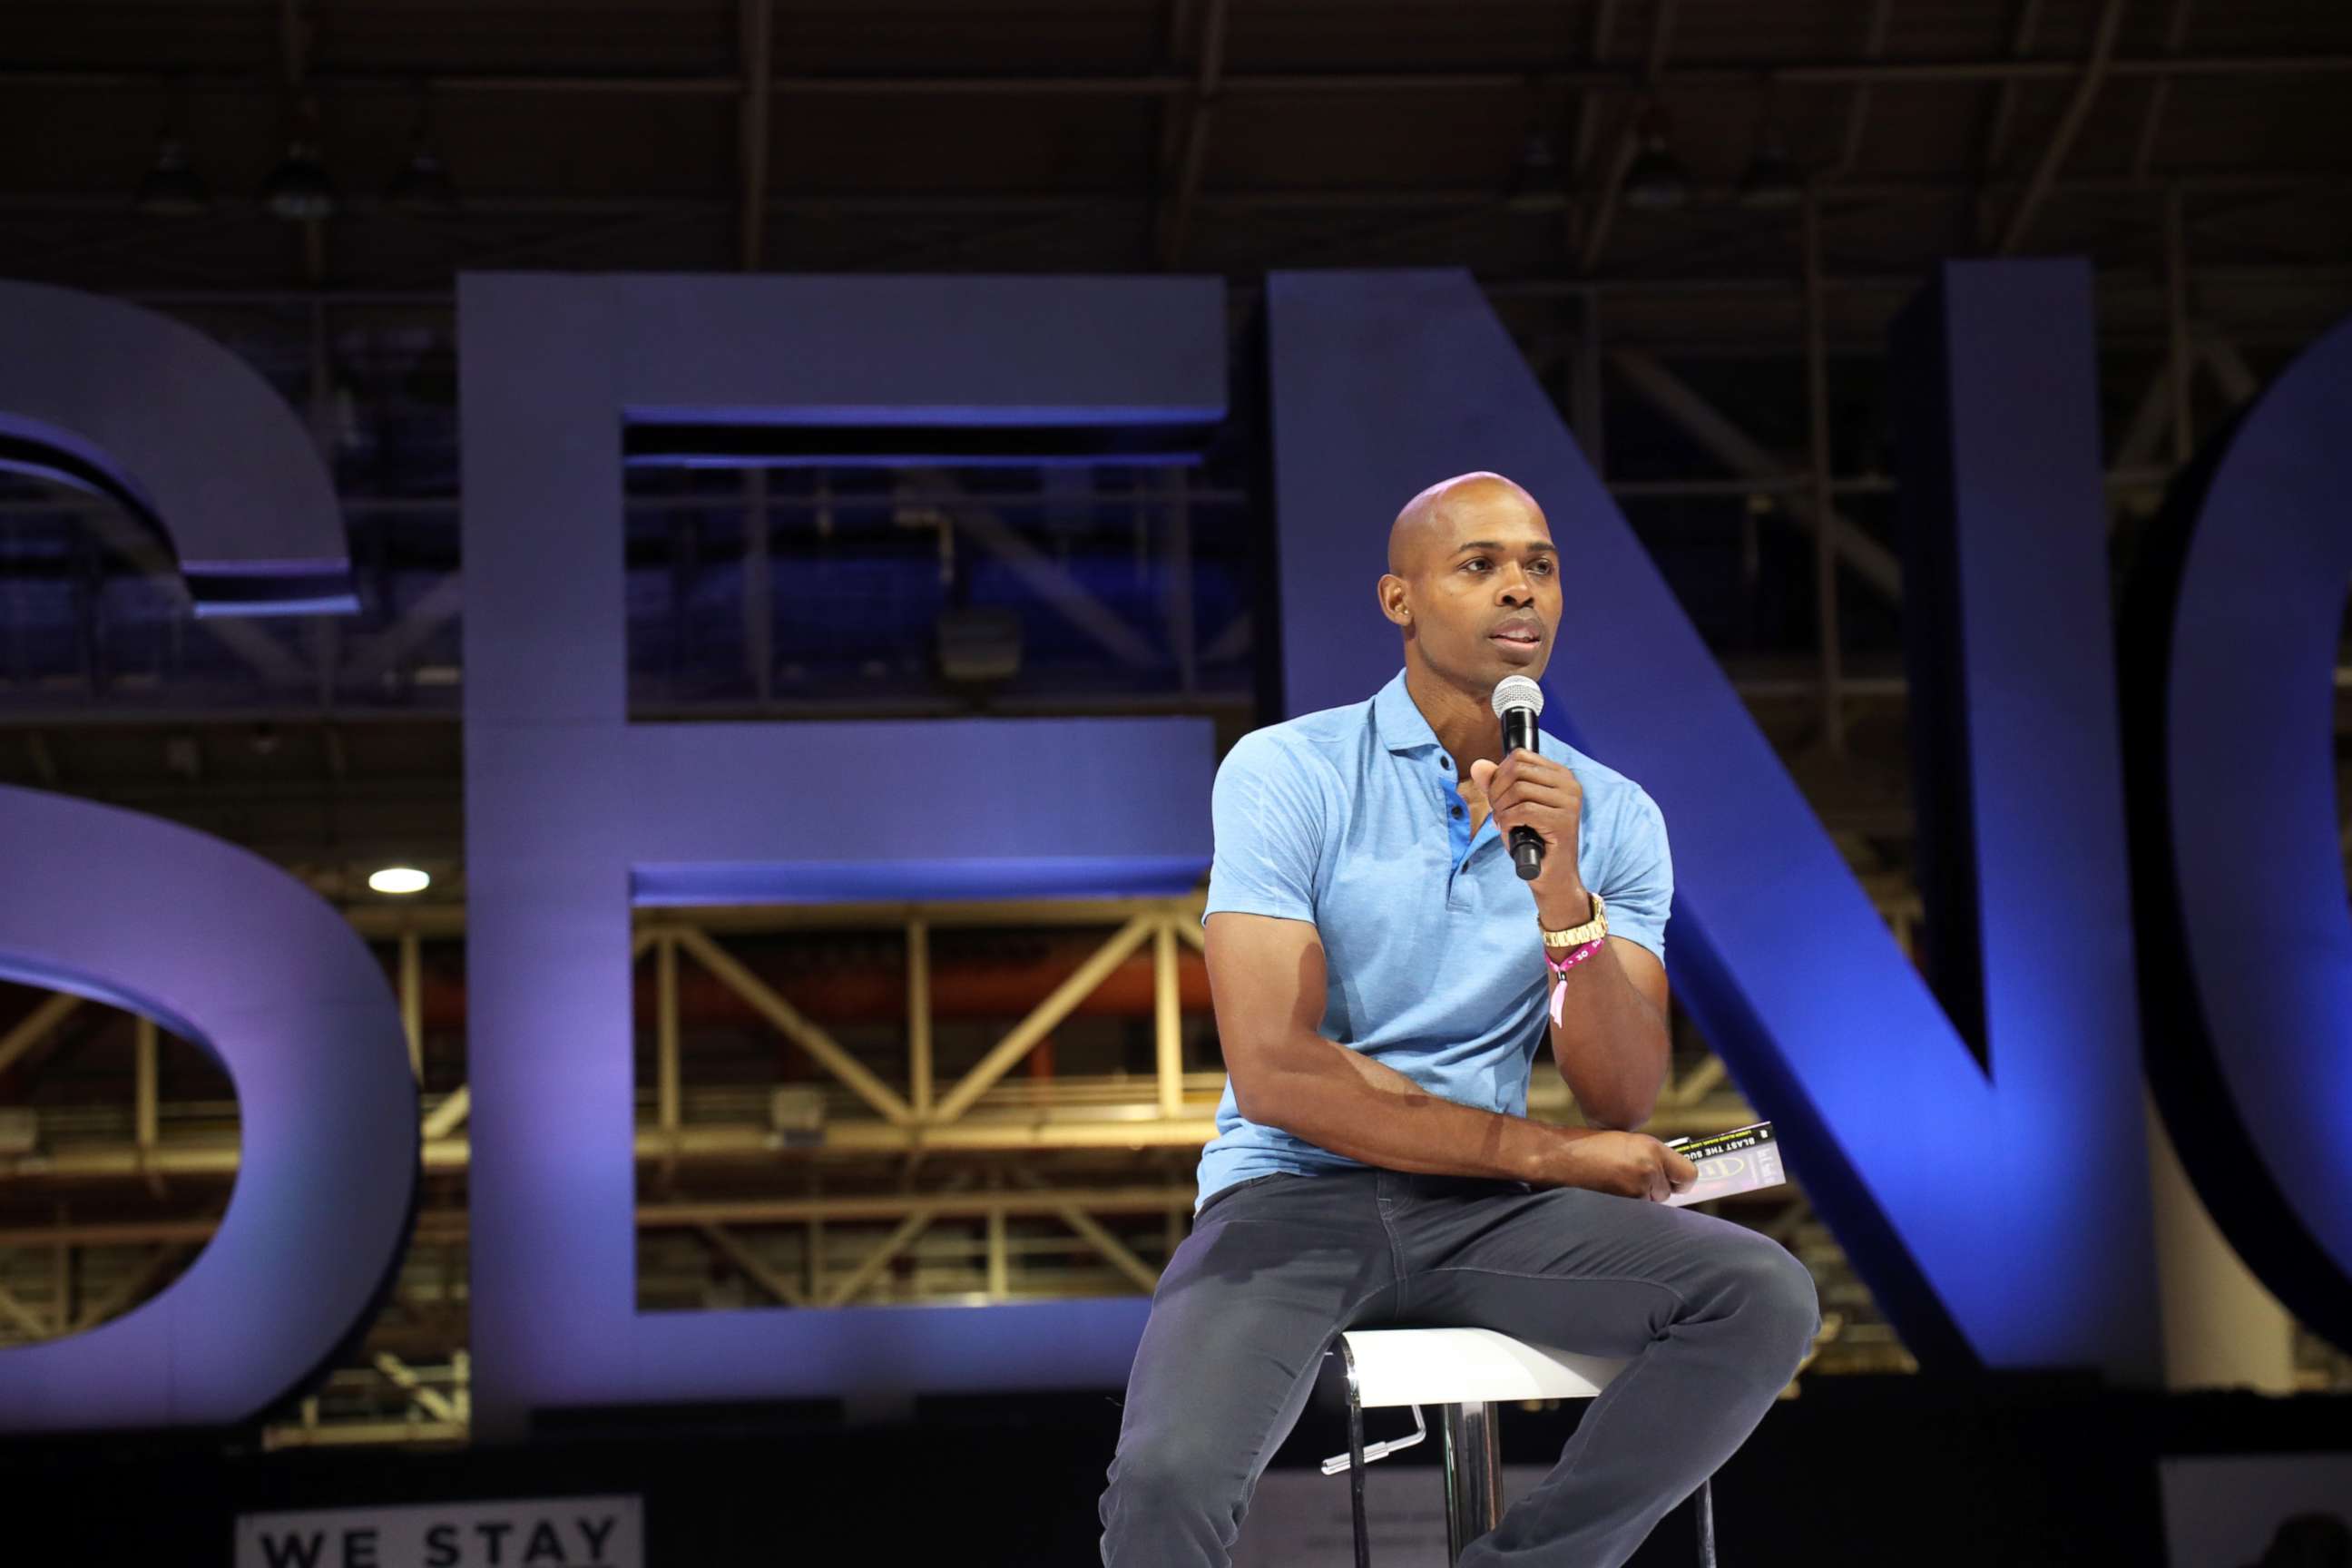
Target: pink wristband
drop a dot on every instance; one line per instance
(1559, 968)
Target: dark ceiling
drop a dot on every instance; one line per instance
(2200, 154)
(1229, 136)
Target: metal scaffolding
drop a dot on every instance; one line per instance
(886, 1180)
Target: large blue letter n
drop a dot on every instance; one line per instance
(1999, 1212)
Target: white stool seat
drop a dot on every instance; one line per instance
(1467, 1366)
(1468, 1373)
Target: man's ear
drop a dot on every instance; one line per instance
(1391, 591)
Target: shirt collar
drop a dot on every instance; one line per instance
(1398, 719)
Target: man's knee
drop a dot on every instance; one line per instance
(1772, 1293)
(1172, 1482)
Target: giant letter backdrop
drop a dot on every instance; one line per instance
(2000, 1214)
(2237, 618)
(574, 813)
(128, 404)
(217, 945)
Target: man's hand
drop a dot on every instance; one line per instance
(1629, 1165)
(1526, 790)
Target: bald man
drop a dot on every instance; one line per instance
(1382, 979)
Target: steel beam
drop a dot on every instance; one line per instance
(35, 1026)
(1588, 105)
(2175, 35)
(1697, 1084)
(1010, 1130)
(2238, 382)
(2152, 416)
(412, 1000)
(383, 656)
(260, 652)
(1000, 1261)
(919, 1081)
(2070, 123)
(845, 1288)
(1827, 528)
(361, 1433)
(667, 1115)
(29, 1323)
(401, 1376)
(827, 1052)
(1671, 396)
(1176, 594)
(1857, 106)
(132, 1287)
(759, 594)
(2004, 112)
(1587, 398)
(449, 1115)
(1604, 216)
(2179, 363)
(1501, 287)
(1052, 582)
(1047, 1014)
(1168, 1020)
(1736, 74)
(752, 1266)
(1177, 215)
(758, 27)
(143, 1048)
(1114, 1251)
(442, 1228)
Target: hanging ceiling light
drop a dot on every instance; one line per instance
(399, 879)
(298, 190)
(171, 187)
(1771, 179)
(1654, 180)
(423, 184)
(1535, 179)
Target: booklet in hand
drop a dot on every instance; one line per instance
(1739, 1161)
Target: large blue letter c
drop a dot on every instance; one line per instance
(2245, 939)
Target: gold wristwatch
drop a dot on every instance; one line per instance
(1592, 929)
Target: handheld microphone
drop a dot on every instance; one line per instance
(1517, 702)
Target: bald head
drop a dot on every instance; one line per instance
(1428, 526)
(1472, 582)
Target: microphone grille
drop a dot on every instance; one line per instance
(1516, 691)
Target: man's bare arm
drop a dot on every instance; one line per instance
(1612, 1045)
(1267, 978)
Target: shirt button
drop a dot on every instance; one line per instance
(1445, 764)
(1457, 811)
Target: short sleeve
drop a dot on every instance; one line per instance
(1267, 814)
(1639, 886)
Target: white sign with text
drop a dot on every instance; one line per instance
(535, 1532)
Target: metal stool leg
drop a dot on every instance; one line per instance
(1706, 1503)
(1473, 1476)
(1356, 1457)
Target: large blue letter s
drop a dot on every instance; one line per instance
(219, 946)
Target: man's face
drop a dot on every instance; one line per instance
(1483, 587)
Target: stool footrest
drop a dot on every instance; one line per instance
(1338, 1462)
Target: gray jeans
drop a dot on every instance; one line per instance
(1715, 1319)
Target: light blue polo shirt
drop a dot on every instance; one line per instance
(1347, 818)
